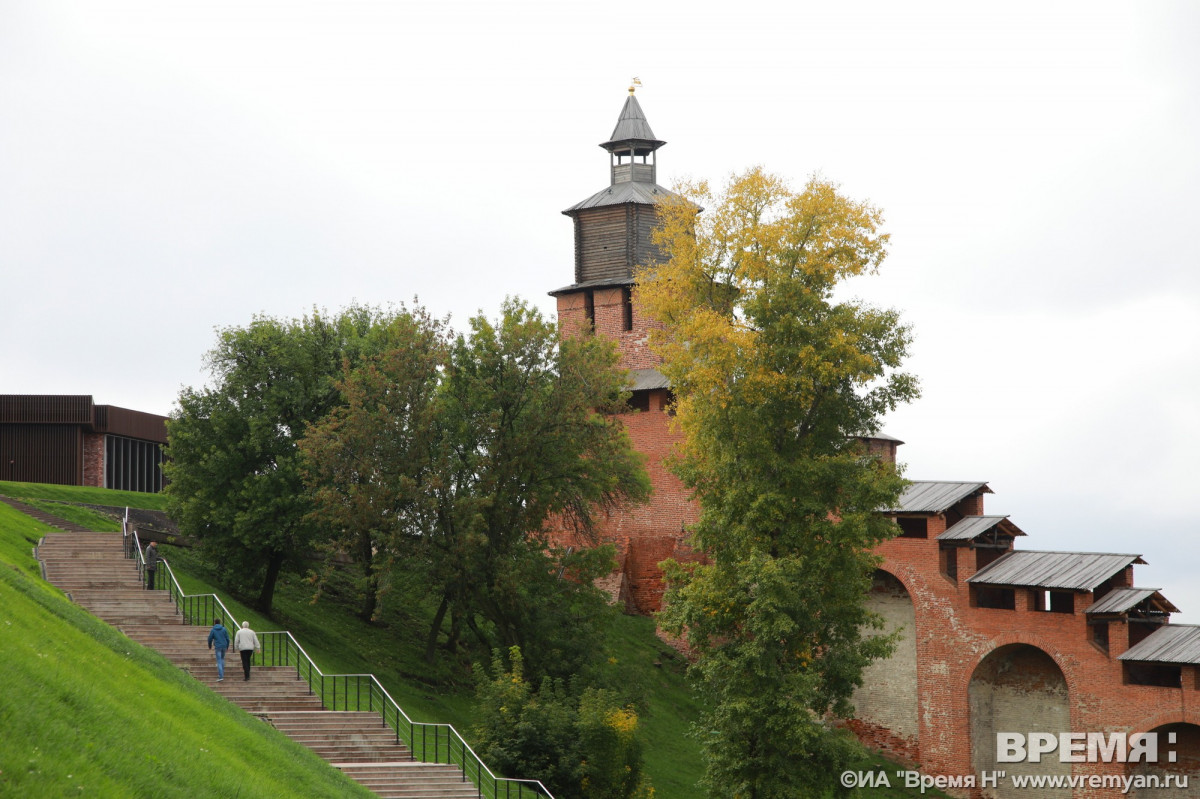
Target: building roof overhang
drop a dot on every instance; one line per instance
(970, 528)
(1066, 571)
(936, 496)
(631, 191)
(1122, 600)
(1170, 643)
(605, 283)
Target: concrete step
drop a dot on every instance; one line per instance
(411, 780)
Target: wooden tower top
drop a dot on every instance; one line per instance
(613, 226)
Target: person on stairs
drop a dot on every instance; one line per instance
(218, 639)
(245, 642)
(151, 564)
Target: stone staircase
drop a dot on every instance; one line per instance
(92, 569)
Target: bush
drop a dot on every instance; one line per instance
(579, 743)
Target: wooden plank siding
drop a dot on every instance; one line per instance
(611, 240)
(602, 245)
(645, 252)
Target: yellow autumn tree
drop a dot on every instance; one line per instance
(775, 380)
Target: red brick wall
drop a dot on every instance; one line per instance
(953, 638)
(609, 310)
(649, 534)
(93, 459)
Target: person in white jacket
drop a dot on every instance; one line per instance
(245, 642)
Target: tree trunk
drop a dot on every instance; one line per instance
(431, 641)
(267, 596)
(479, 636)
(366, 554)
(451, 644)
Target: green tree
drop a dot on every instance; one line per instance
(773, 380)
(235, 481)
(580, 743)
(463, 482)
(368, 462)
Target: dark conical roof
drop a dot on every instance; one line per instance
(631, 183)
(632, 131)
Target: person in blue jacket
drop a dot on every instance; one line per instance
(218, 638)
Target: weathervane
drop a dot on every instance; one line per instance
(633, 84)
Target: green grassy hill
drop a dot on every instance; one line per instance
(87, 712)
(91, 708)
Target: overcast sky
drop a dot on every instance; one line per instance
(168, 168)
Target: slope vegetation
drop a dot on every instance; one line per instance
(87, 712)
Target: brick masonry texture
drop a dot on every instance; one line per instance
(985, 670)
(93, 459)
(646, 535)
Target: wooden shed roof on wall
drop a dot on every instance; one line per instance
(1067, 571)
(644, 379)
(880, 436)
(971, 527)
(1122, 600)
(936, 496)
(1171, 643)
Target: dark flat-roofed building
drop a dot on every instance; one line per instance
(69, 440)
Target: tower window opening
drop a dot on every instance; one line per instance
(990, 596)
(1100, 635)
(640, 401)
(627, 309)
(948, 557)
(1164, 675)
(913, 526)
(589, 307)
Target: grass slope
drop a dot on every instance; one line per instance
(19, 534)
(84, 517)
(87, 712)
(83, 494)
(337, 640)
(341, 643)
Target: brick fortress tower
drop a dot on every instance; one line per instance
(612, 238)
(994, 639)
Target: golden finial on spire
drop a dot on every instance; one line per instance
(633, 84)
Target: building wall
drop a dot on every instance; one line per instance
(609, 321)
(69, 440)
(886, 716)
(601, 235)
(93, 459)
(961, 673)
(41, 453)
(953, 639)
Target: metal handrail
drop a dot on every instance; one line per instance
(195, 608)
(280, 648)
(364, 692)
